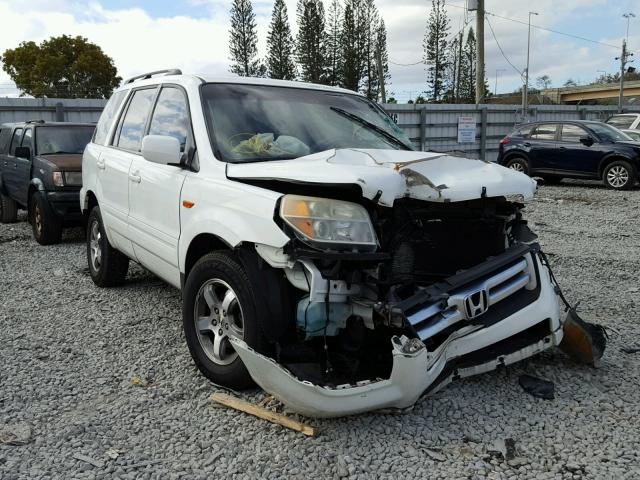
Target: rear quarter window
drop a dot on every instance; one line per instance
(108, 115)
(5, 138)
(523, 131)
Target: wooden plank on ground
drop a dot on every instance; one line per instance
(263, 413)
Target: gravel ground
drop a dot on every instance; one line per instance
(101, 384)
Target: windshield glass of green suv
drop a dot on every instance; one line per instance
(62, 139)
(256, 122)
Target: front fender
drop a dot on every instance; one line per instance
(233, 212)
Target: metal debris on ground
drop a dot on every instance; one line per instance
(537, 387)
(506, 447)
(263, 413)
(583, 341)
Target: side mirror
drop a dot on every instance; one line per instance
(161, 149)
(588, 140)
(23, 152)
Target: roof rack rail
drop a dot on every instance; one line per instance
(35, 121)
(144, 76)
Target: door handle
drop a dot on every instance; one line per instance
(563, 148)
(101, 165)
(134, 177)
(527, 144)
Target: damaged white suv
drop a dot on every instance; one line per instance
(318, 254)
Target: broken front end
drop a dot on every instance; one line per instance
(390, 303)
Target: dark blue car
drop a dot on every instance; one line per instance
(572, 149)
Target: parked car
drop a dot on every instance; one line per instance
(572, 149)
(318, 254)
(625, 121)
(40, 165)
(634, 134)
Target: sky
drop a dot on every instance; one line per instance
(145, 35)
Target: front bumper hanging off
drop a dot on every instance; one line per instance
(476, 347)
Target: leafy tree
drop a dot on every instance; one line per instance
(420, 100)
(392, 100)
(243, 43)
(280, 61)
(334, 44)
(69, 67)
(570, 83)
(435, 49)
(543, 82)
(311, 41)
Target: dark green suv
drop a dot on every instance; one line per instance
(41, 172)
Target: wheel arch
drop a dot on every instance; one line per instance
(199, 246)
(609, 159)
(90, 201)
(515, 154)
(35, 185)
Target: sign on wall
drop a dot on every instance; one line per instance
(466, 129)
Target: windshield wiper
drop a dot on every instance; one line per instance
(371, 126)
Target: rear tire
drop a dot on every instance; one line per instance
(619, 175)
(219, 301)
(518, 164)
(47, 228)
(8, 209)
(107, 266)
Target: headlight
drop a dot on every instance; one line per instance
(57, 179)
(73, 179)
(329, 224)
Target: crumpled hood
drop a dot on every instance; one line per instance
(391, 174)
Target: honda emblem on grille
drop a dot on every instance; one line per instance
(476, 304)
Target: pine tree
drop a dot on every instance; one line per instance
(435, 49)
(280, 46)
(452, 77)
(334, 44)
(350, 53)
(243, 43)
(310, 43)
(369, 27)
(381, 46)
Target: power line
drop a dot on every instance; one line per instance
(500, 48)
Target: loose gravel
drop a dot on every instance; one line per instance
(98, 383)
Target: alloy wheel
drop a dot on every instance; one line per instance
(517, 166)
(617, 176)
(96, 246)
(217, 316)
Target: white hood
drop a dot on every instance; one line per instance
(391, 174)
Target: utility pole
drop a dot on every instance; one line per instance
(383, 95)
(525, 88)
(623, 61)
(480, 52)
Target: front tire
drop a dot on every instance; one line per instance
(518, 164)
(47, 228)
(219, 301)
(619, 175)
(8, 209)
(107, 266)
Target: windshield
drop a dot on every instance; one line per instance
(62, 139)
(609, 133)
(256, 122)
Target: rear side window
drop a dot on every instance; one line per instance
(5, 138)
(107, 117)
(524, 131)
(15, 140)
(545, 132)
(621, 121)
(135, 120)
(572, 133)
(171, 116)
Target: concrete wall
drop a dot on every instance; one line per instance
(50, 109)
(434, 127)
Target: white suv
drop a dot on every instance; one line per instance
(318, 253)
